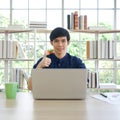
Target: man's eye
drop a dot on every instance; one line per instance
(56, 40)
(63, 41)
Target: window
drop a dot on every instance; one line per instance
(54, 12)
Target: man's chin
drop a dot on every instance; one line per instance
(60, 51)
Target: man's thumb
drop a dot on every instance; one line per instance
(45, 54)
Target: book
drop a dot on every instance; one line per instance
(93, 81)
(99, 46)
(37, 26)
(37, 23)
(21, 52)
(72, 21)
(4, 46)
(68, 22)
(85, 22)
(15, 49)
(82, 22)
(96, 80)
(88, 49)
(110, 49)
(103, 49)
(89, 79)
(76, 20)
(91, 49)
(94, 49)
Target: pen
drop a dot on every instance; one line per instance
(103, 95)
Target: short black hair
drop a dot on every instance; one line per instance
(59, 32)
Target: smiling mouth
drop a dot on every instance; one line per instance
(60, 49)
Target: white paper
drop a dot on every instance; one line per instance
(112, 97)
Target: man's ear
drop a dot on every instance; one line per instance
(68, 42)
(51, 42)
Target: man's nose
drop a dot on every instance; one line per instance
(60, 43)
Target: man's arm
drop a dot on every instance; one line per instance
(44, 62)
(30, 83)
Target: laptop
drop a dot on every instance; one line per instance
(59, 83)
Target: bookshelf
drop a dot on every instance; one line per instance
(96, 33)
(6, 32)
(97, 59)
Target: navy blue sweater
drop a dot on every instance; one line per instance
(68, 61)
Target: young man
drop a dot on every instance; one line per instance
(59, 39)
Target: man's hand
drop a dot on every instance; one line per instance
(45, 62)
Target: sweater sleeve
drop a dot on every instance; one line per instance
(79, 63)
(36, 64)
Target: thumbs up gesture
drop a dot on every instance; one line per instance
(45, 62)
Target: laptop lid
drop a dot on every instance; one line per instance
(59, 83)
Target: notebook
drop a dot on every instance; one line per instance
(59, 83)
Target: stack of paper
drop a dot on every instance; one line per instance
(37, 24)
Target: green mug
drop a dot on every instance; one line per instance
(11, 90)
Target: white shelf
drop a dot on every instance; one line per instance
(14, 30)
(108, 86)
(16, 59)
(38, 30)
(117, 59)
(96, 31)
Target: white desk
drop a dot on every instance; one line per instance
(24, 107)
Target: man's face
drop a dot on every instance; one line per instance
(60, 45)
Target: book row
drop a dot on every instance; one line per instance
(92, 80)
(100, 49)
(11, 50)
(75, 22)
(8, 49)
(19, 75)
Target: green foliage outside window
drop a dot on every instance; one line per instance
(77, 47)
